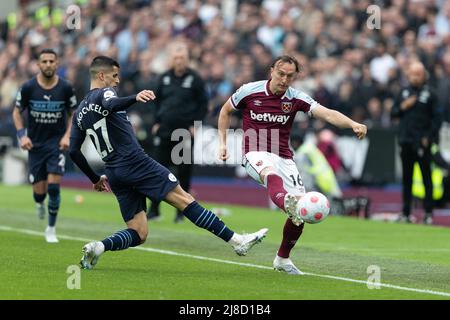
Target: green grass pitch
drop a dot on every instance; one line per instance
(181, 261)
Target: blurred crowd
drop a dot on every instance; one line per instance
(346, 63)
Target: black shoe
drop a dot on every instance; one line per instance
(428, 219)
(403, 218)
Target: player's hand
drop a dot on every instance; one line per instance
(360, 130)
(223, 153)
(102, 184)
(25, 143)
(64, 143)
(408, 103)
(145, 96)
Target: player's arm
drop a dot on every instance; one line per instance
(223, 126)
(24, 140)
(339, 120)
(113, 103)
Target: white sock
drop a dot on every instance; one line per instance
(236, 239)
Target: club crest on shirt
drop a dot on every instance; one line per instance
(286, 106)
(259, 163)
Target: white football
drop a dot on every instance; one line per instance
(313, 207)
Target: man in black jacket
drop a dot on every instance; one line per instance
(181, 99)
(420, 120)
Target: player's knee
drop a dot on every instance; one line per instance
(40, 187)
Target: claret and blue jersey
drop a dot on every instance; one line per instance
(269, 115)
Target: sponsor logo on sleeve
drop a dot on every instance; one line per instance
(108, 94)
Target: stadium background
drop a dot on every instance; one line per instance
(347, 66)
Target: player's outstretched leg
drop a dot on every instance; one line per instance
(207, 220)
(282, 262)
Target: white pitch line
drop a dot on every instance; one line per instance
(173, 253)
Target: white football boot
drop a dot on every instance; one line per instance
(91, 253)
(50, 235)
(290, 207)
(40, 210)
(247, 241)
(286, 265)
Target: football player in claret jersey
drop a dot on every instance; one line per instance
(130, 173)
(48, 101)
(268, 110)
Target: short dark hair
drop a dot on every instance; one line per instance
(47, 51)
(287, 59)
(102, 62)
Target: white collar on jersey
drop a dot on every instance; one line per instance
(266, 90)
